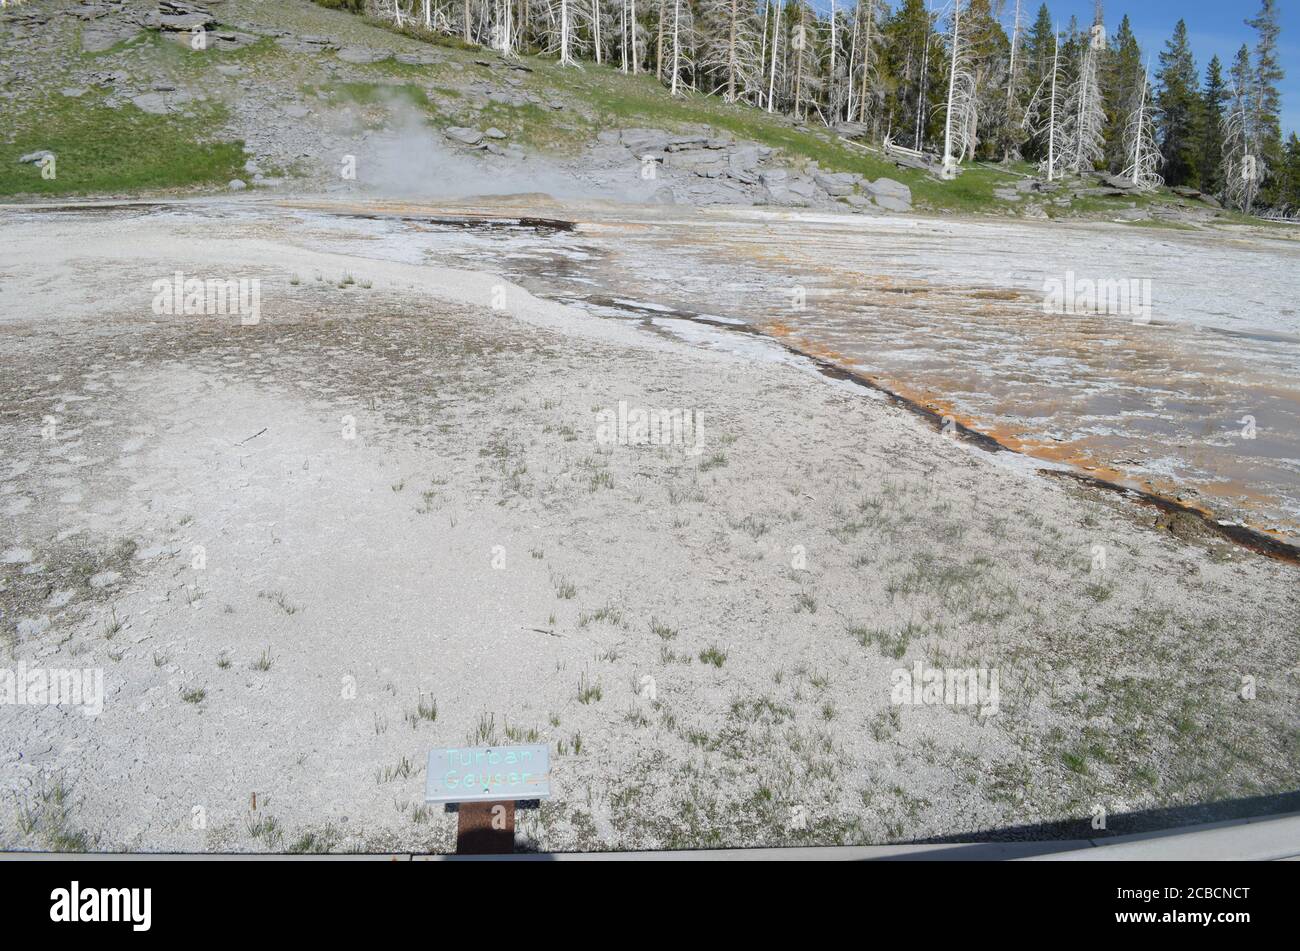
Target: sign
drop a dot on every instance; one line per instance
(488, 774)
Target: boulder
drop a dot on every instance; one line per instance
(858, 202)
(891, 203)
(463, 134)
(682, 143)
(780, 195)
(896, 192)
(494, 133)
(641, 141)
(742, 164)
(836, 184)
(236, 185)
(179, 16)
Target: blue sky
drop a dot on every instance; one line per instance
(1215, 27)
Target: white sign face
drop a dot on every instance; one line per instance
(488, 773)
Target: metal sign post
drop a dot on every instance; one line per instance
(485, 828)
(485, 783)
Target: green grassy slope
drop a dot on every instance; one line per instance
(111, 151)
(124, 150)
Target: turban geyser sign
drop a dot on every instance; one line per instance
(488, 774)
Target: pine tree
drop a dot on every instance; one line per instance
(988, 49)
(1039, 46)
(1289, 198)
(1123, 76)
(1213, 99)
(1040, 41)
(1177, 110)
(914, 76)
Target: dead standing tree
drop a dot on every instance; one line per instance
(1084, 125)
(1043, 116)
(1144, 159)
(1241, 166)
(729, 51)
(961, 116)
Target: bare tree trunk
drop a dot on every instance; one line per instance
(830, 93)
(731, 53)
(1051, 123)
(866, 59)
(1011, 78)
(776, 45)
(952, 86)
(565, 58)
(802, 40)
(676, 45)
(659, 51)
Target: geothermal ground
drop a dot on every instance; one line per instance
(383, 516)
